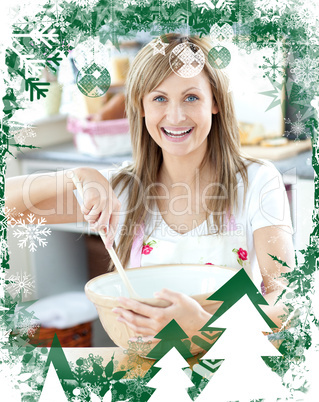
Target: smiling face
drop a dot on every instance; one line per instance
(178, 114)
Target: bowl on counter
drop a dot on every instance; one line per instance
(195, 280)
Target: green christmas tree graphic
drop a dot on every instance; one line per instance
(57, 357)
(171, 382)
(171, 336)
(242, 345)
(233, 290)
(52, 390)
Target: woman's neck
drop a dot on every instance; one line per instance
(183, 170)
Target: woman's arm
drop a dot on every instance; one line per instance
(50, 195)
(148, 321)
(277, 241)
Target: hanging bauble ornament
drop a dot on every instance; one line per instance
(92, 50)
(92, 59)
(187, 60)
(94, 80)
(219, 57)
(219, 33)
(158, 46)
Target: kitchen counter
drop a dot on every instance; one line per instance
(67, 154)
(302, 162)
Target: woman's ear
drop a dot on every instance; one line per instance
(215, 107)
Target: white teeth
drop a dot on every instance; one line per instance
(175, 133)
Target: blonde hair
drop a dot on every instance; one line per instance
(146, 73)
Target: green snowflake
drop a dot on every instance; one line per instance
(138, 385)
(274, 67)
(87, 363)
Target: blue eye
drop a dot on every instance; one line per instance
(192, 98)
(159, 99)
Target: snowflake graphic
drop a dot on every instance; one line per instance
(137, 348)
(61, 23)
(139, 384)
(11, 217)
(21, 282)
(306, 71)
(31, 232)
(294, 21)
(95, 389)
(87, 389)
(223, 5)
(274, 66)
(87, 363)
(77, 398)
(272, 6)
(309, 16)
(119, 397)
(297, 128)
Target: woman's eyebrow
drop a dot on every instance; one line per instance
(186, 90)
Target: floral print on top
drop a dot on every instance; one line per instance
(242, 255)
(227, 250)
(147, 247)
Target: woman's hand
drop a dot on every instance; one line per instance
(147, 321)
(100, 206)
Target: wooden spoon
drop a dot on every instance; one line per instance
(111, 250)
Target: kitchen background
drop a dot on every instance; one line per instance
(68, 139)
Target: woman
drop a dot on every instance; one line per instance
(188, 185)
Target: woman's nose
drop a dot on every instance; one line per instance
(175, 113)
